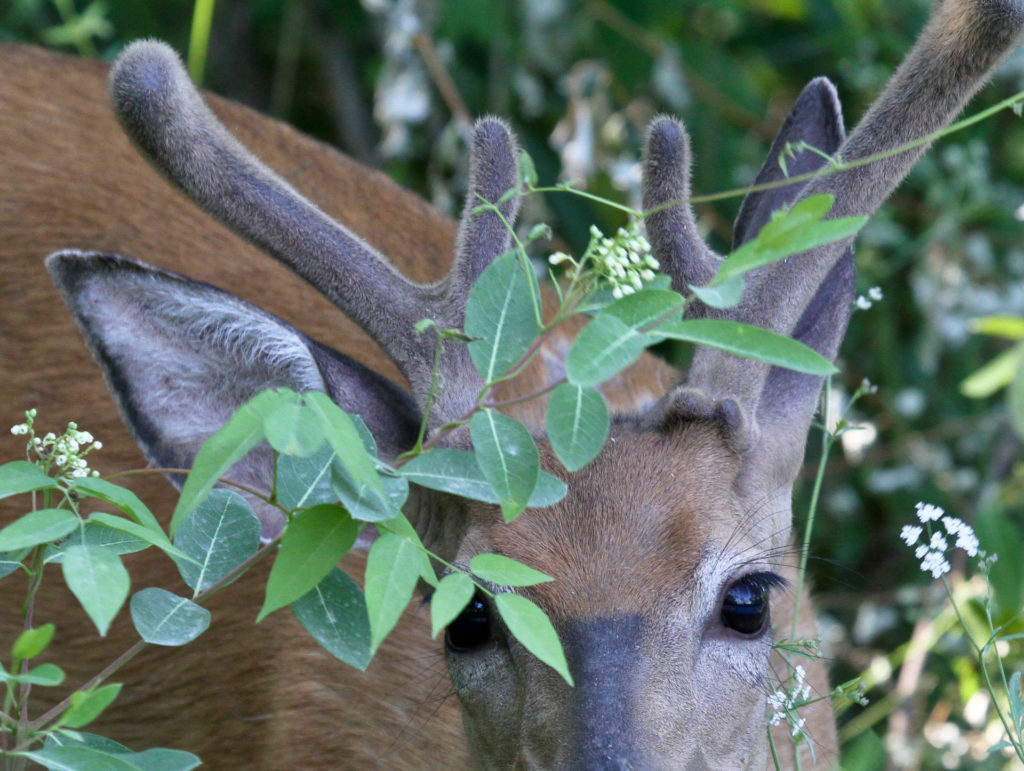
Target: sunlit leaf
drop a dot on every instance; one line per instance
(501, 570)
(752, 343)
(20, 476)
(993, 375)
(32, 642)
(392, 569)
(86, 706)
(531, 626)
(452, 595)
(314, 542)
(294, 429)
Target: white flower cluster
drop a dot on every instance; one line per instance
(65, 453)
(932, 553)
(874, 295)
(624, 261)
(785, 702)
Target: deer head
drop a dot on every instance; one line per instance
(667, 552)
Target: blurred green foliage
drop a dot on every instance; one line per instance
(578, 80)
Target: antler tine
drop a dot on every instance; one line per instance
(960, 46)
(675, 242)
(493, 172)
(167, 119)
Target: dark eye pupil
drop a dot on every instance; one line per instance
(745, 608)
(471, 628)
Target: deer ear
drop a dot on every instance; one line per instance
(180, 356)
(816, 120)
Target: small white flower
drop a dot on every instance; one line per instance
(927, 512)
(798, 726)
(952, 525)
(910, 534)
(920, 551)
(935, 563)
(938, 542)
(558, 258)
(863, 302)
(875, 293)
(97, 445)
(968, 541)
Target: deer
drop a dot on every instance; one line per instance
(669, 550)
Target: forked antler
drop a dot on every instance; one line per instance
(167, 119)
(803, 296)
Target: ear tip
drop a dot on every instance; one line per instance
(823, 91)
(667, 142)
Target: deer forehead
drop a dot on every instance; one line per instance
(641, 526)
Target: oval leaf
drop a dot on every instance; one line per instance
(500, 314)
(86, 706)
(314, 542)
(98, 579)
(508, 457)
(20, 476)
(531, 626)
(646, 307)
(452, 595)
(577, 424)
(32, 642)
(752, 343)
(36, 527)
(163, 618)
(499, 569)
(305, 482)
(221, 534)
(606, 346)
(292, 429)
(392, 569)
(334, 613)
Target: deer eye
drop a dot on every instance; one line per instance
(471, 628)
(745, 608)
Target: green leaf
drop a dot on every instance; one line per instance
(993, 375)
(1010, 327)
(305, 482)
(790, 232)
(163, 618)
(1015, 396)
(500, 315)
(45, 675)
(605, 346)
(401, 526)
(457, 472)
(20, 476)
(527, 170)
(645, 307)
(345, 439)
(86, 706)
(122, 498)
(364, 505)
(80, 759)
(98, 579)
(334, 613)
(154, 537)
(36, 527)
(220, 535)
(293, 429)
(392, 569)
(508, 458)
(752, 343)
(32, 642)
(451, 596)
(727, 294)
(314, 542)
(577, 424)
(11, 561)
(531, 626)
(499, 569)
(93, 533)
(232, 442)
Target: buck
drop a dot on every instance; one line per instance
(668, 552)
